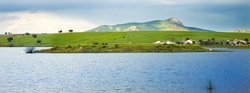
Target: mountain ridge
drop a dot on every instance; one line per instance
(171, 24)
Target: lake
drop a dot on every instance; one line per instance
(229, 72)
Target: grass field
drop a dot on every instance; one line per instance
(127, 48)
(87, 38)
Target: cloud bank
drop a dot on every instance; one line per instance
(41, 22)
(217, 15)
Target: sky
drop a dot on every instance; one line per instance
(50, 16)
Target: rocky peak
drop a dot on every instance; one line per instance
(175, 21)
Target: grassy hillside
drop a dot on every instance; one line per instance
(126, 48)
(85, 38)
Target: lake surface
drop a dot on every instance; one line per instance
(124, 72)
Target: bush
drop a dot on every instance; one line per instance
(30, 50)
(116, 45)
(104, 46)
(95, 43)
(71, 30)
(246, 39)
(38, 41)
(27, 33)
(60, 31)
(104, 43)
(10, 39)
(34, 35)
(68, 47)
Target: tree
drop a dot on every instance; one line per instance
(116, 45)
(95, 43)
(10, 39)
(71, 30)
(209, 41)
(34, 35)
(201, 42)
(68, 47)
(60, 31)
(38, 41)
(6, 33)
(27, 33)
(246, 39)
(213, 41)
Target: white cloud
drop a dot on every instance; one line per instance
(41, 22)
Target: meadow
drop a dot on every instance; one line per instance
(88, 38)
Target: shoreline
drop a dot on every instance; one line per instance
(151, 48)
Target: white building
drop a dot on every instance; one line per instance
(164, 42)
(189, 42)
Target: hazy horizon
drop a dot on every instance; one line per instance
(44, 16)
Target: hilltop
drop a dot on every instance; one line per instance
(171, 24)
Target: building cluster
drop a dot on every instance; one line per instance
(235, 42)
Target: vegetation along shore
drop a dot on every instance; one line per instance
(144, 41)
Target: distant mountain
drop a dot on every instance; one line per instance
(171, 24)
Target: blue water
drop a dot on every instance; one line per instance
(124, 72)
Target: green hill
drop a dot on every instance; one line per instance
(143, 37)
(171, 24)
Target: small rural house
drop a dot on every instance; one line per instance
(164, 42)
(189, 42)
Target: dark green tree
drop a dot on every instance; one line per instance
(71, 30)
(38, 41)
(9, 39)
(246, 39)
(27, 33)
(60, 31)
(34, 35)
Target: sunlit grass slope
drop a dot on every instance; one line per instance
(87, 38)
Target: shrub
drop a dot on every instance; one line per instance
(34, 35)
(60, 31)
(71, 30)
(10, 39)
(104, 46)
(246, 39)
(104, 43)
(95, 43)
(27, 33)
(38, 41)
(68, 46)
(116, 45)
(30, 50)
